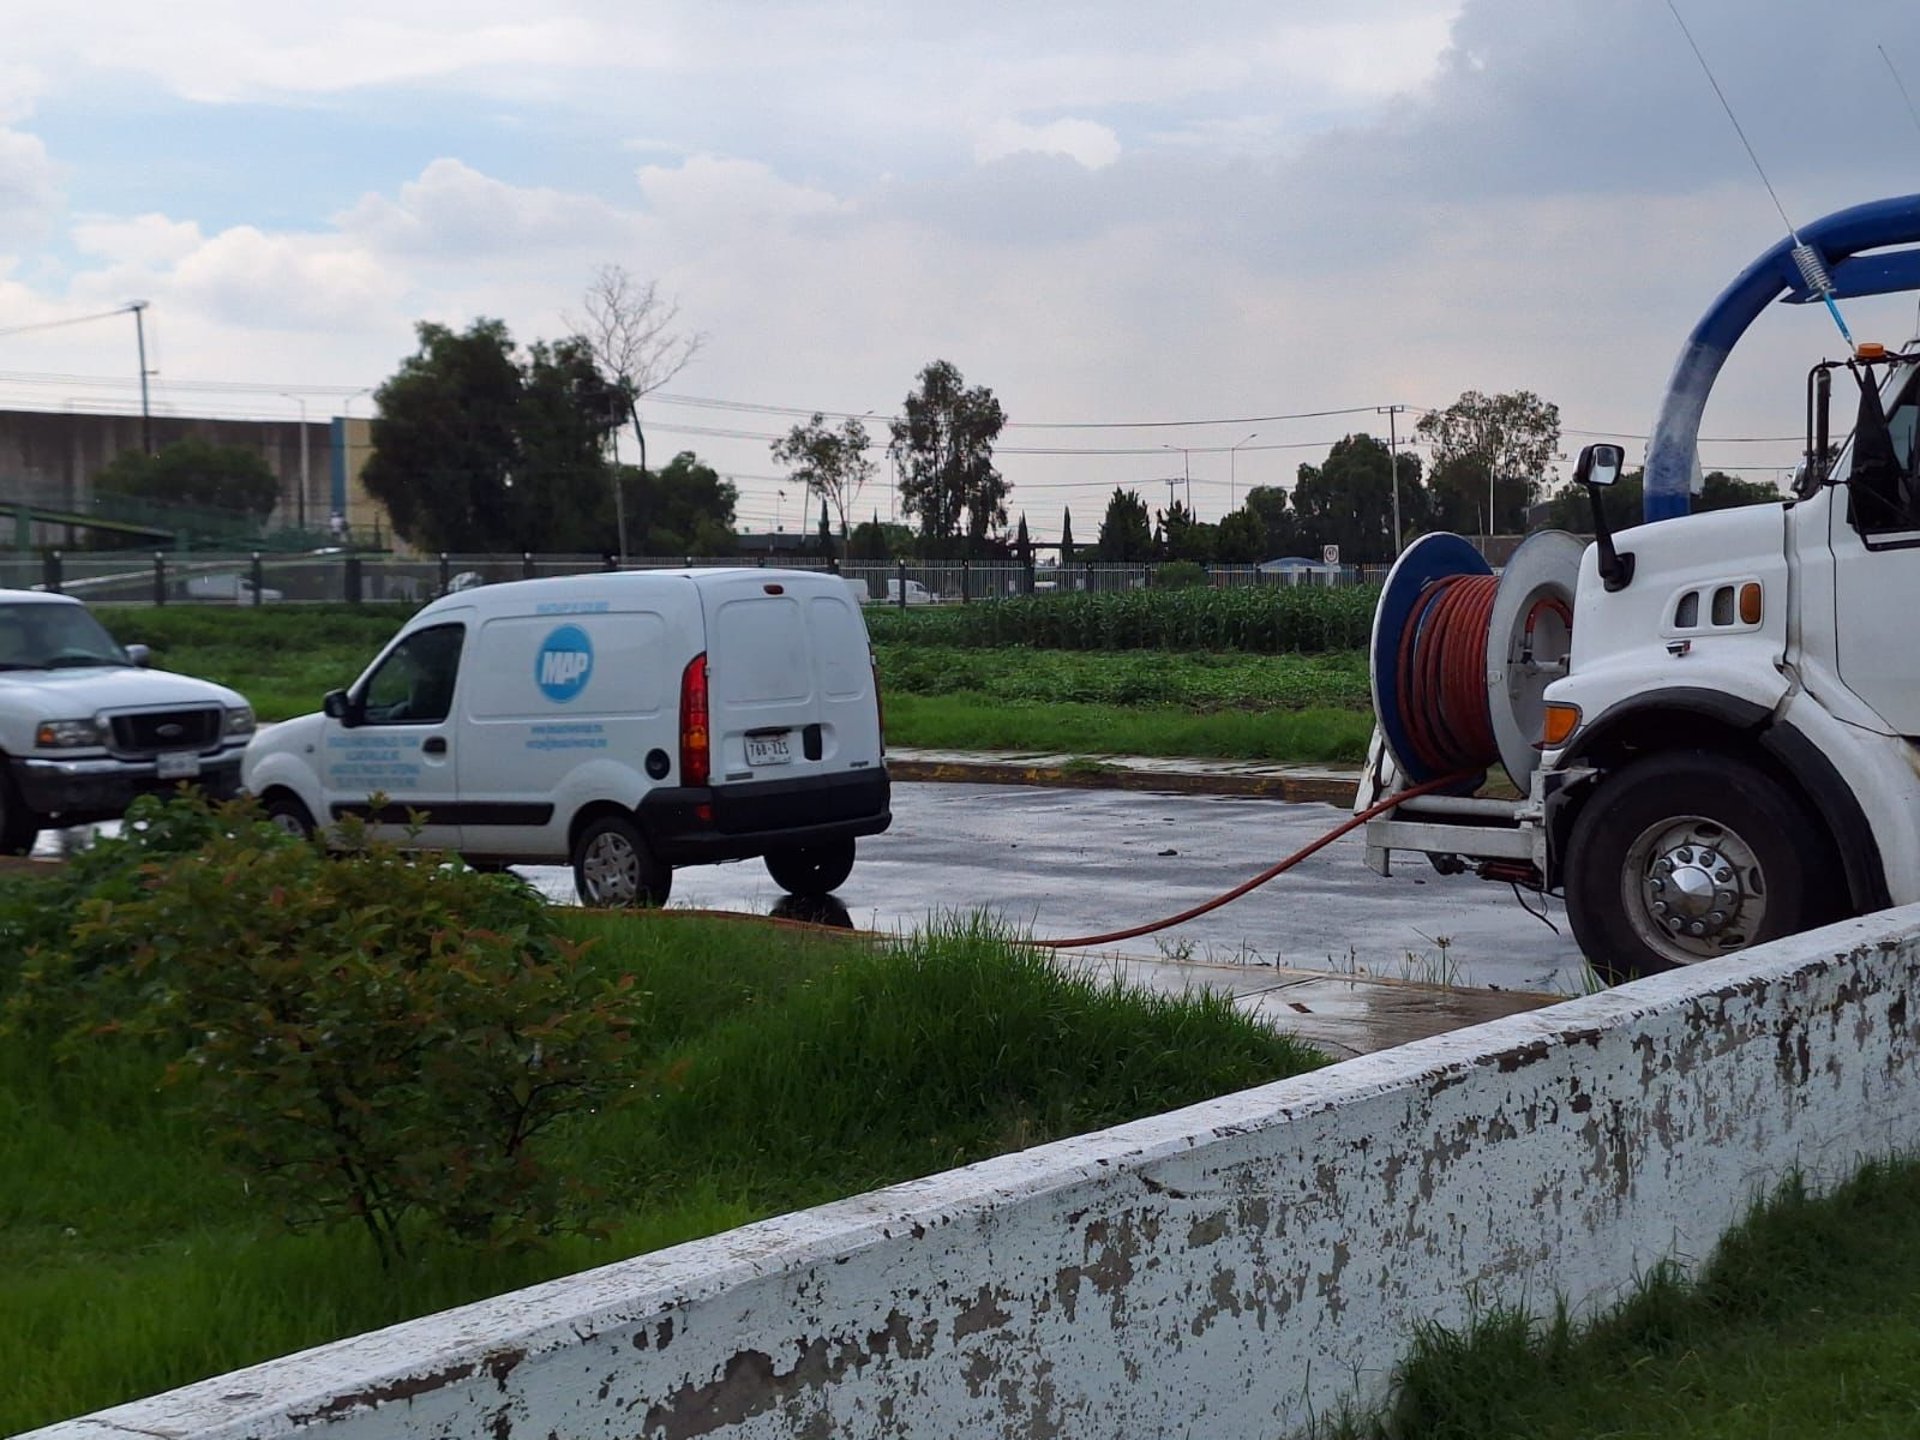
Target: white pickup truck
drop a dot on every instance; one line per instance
(85, 726)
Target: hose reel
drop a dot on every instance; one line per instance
(1460, 660)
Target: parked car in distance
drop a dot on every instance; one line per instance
(235, 588)
(625, 723)
(917, 594)
(85, 726)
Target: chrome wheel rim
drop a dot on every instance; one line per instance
(287, 823)
(1693, 889)
(611, 867)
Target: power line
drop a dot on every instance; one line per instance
(56, 324)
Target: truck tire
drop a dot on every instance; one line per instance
(1689, 856)
(613, 868)
(19, 827)
(812, 869)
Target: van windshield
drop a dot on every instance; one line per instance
(49, 635)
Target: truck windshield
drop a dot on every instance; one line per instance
(49, 635)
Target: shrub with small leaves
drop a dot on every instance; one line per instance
(376, 1037)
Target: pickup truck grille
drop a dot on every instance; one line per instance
(148, 732)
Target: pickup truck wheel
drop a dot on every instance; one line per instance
(613, 868)
(18, 826)
(285, 812)
(1689, 856)
(812, 869)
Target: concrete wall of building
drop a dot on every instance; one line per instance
(1230, 1269)
(50, 457)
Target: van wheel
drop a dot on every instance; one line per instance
(812, 869)
(613, 868)
(19, 828)
(1690, 856)
(285, 812)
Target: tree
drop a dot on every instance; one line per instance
(629, 331)
(1268, 504)
(475, 450)
(193, 472)
(687, 509)
(1066, 537)
(826, 529)
(1127, 532)
(1242, 539)
(1183, 536)
(876, 539)
(1022, 546)
(1490, 456)
(1348, 499)
(1623, 501)
(944, 448)
(832, 464)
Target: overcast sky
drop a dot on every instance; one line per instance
(1108, 213)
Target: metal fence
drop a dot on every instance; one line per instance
(131, 577)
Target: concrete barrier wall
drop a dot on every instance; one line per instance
(1231, 1269)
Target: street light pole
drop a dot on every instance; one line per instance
(346, 457)
(301, 506)
(1393, 460)
(1232, 488)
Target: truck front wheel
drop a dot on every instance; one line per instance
(1689, 856)
(18, 826)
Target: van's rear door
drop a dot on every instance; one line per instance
(789, 678)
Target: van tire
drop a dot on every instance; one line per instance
(19, 828)
(812, 869)
(285, 812)
(614, 869)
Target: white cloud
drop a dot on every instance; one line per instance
(1084, 141)
(452, 211)
(29, 186)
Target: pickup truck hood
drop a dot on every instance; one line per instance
(86, 690)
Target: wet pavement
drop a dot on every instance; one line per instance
(1060, 863)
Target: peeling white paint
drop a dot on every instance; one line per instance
(1229, 1269)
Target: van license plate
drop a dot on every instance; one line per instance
(177, 767)
(768, 750)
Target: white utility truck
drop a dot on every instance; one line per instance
(1714, 720)
(623, 723)
(85, 726)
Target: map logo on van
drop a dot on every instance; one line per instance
(564, 664)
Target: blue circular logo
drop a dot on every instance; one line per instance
(564, 664)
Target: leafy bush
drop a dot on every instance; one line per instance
(1261, 619)
(1180, 575)
(378, 1038)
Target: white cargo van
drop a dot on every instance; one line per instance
(623, 723)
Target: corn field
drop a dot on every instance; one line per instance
(1276, 620)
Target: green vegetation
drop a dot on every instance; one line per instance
(969, 722)
(1805, 1322)
(1195, 682)
(144, 1235)
(283, 658)
(1251, 619)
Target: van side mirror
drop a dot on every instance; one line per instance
(1597, 467)
(139, 655)
(338, 705)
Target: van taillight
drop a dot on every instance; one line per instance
(695, 752)
(879, 706)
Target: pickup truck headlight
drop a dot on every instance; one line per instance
(239, 720)
(69, 734)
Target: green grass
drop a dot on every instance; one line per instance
(776, 1070)
(1806, 1322)
(282, 658)
(1195, 681)
(975, 722)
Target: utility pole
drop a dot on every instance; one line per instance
(1186, 469)
(138, 307)
(1393, 461)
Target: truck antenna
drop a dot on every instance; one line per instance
(1900, 84)
(1807, 259)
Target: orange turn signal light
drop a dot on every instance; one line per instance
(1869, 350)
(1562, 720)
(1750, 603)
